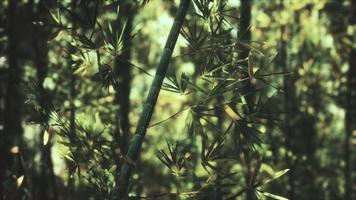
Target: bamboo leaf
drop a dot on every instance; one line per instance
(277, 175)
(69, 157)
(231, 113)
(273, 196)
(54, 35)
(19, 181)
(243, 100)
(55, 19)
(45, 137)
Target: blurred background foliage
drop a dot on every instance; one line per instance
(255, 91)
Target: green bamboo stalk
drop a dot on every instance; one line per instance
(137, 140)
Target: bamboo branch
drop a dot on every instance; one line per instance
(143, 123)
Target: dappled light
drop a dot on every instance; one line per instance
(177, 99)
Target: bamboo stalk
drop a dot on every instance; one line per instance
(143, 123)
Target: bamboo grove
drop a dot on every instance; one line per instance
(177, 99)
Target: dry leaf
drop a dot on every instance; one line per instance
(231, 113)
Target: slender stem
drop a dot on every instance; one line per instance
(143, 123)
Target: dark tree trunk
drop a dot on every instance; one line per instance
(336, 9)
(219, 125)
(72, 127)
(47, 182)
(123, 72)
(298, 124)
(350, 120)
(244, 33)
(288, 87)
(3, 75)
(244, 36)
(350, 125)
(70, 187)
(12, 133)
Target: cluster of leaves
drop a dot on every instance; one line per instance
(93, 41)
(222, 120)
(88, 144)
(228, 128)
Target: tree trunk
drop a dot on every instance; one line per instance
(350, 119)
(47, 185)
(122, 70)
(123, 73)
(244, 32)
(12, 133)
(350, 124)
(288, 87)
(244, 36)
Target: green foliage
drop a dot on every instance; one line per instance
(227, 116)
